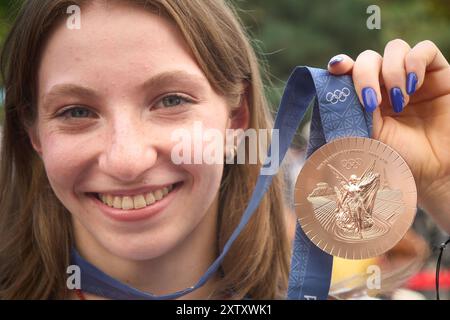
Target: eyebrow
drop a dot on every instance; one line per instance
(176, 78)
(164, 79)
(68, 89)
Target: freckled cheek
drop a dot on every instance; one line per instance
(202, 188)
(212, 183)
(65, 160)
(205, 178)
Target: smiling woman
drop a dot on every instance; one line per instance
(86, 172)
(86, 161)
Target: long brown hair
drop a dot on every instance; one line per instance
(35, 228)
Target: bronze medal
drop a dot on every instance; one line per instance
(355, 198)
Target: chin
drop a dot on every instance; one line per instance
(142, 247)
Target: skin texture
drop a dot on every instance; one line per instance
(421, 132)
(119, 138)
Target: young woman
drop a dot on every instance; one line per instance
(86, 152)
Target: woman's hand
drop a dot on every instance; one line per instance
(408, 91)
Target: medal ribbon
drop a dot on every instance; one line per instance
(337, 113)
(311, 267)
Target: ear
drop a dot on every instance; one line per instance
(240, 116)
(32, 132)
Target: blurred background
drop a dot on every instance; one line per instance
(287, 33)
(300, 32)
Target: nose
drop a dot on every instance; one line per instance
(128, 152)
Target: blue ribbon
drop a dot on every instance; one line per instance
(340, 115)
(337, 113)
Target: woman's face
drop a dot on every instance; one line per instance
(110, 96)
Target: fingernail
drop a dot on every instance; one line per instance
(397, 99)
(411, 83)
(369, 99)
(335, 60)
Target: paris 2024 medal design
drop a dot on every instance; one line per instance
(355, 198)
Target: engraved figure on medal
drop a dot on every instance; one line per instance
(346, 202)
(355, 202)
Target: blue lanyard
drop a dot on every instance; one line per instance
(311, 267)
(337, 113)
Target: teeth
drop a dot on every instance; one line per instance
(139, 202)
(127, 203)
(158, 194)
(109, 200)
(117, 203)
(135, 202)
(149, 198)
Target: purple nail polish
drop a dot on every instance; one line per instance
(370, 100)
(411, 83)
(335, 60)
(397, 99)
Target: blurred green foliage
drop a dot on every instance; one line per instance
(5, 9)
(6, 18)
(302, 32)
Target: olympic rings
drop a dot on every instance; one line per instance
(338, 95)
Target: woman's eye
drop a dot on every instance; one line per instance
(172, 101)
(76, 112)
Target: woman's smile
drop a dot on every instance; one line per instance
(130, 206)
